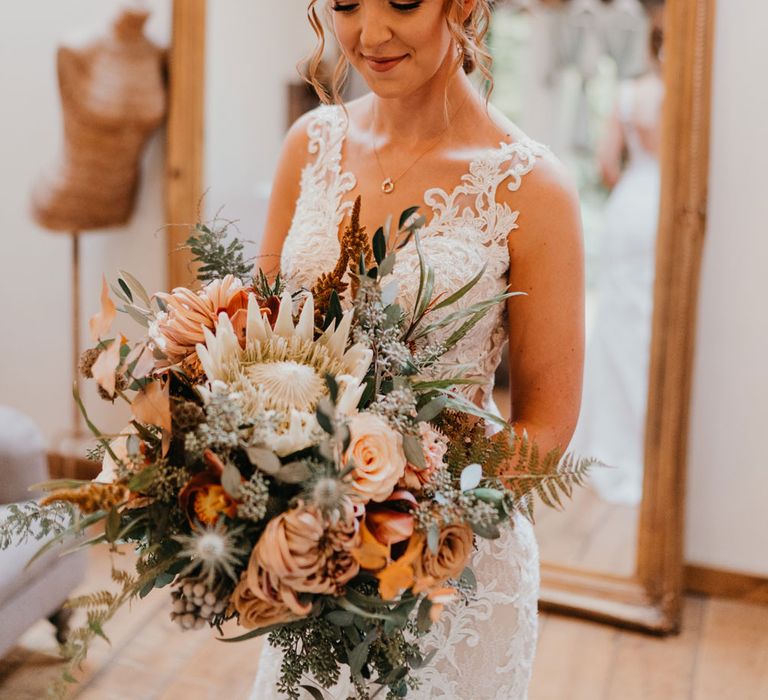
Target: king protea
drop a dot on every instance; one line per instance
(280, 372)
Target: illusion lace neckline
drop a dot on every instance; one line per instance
(490, 157)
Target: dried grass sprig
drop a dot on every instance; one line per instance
(90, 498)
(354, 243)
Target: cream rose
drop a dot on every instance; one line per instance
(454, 548)
(376, 451)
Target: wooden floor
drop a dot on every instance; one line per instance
(722, 654)
(590, 534)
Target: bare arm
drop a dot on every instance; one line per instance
(285, 192)
(546, 336)
(610, 151)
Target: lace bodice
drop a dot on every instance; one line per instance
(485, 649)
(467, 229)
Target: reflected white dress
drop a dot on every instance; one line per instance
(485, 650)
(611, 425)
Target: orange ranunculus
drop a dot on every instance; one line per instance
(203, 499)
(371, 554)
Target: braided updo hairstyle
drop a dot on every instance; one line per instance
(469, 36)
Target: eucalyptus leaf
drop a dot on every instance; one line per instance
(379, 245)
(432, 409)
(294, 473)
(325, 420)
(471, 476)
(263, 459)
(387, 265)
(313, 691)
(143, 480)
(407, 214)
(358, 656)
(112, 526)
(333, 387)
(389, 292)
(459, 293)
(433, 538)
(414, 452)
(232, 480)
(468, 579)
(136, 286)
(488, 532)
(341, 618)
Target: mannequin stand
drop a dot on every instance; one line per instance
(68, 460)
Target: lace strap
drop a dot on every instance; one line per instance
(326, 131)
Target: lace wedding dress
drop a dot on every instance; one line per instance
(484, 650)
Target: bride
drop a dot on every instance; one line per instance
(423, 135)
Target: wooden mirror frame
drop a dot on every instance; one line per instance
(652, 599)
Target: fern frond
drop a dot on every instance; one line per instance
(100, 599)
(552, 477)
(32, 521)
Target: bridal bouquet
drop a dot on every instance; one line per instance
(295, 466)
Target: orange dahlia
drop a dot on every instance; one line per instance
(188, 313)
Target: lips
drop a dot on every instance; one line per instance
(385, 63)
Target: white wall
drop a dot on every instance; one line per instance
(727, 516)
(252, 56)
(35, 340)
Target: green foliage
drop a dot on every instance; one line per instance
(551, 477)
(215, 257)
(31, 521)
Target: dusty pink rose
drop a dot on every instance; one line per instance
(189, 312)
(261, 607)
(303, 552)
(377, 454)
(435, 445)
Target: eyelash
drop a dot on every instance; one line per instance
(406, 7)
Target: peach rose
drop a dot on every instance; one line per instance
(454, 548)
(255, 611)
(302, 552)
(435, 445)
(377, 454)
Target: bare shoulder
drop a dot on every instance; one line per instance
(550, 214)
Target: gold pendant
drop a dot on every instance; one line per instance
(387, 186)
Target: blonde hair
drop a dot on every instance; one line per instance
(469, 35)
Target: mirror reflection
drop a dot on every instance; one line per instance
(585, 77)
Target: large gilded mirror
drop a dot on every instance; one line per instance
(620, 91)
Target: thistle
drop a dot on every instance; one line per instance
(213, 549)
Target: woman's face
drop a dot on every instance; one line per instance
(398, 46)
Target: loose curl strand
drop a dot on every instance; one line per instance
(469, 36)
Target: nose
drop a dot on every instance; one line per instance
(374, 29)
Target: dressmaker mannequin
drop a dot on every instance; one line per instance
(112, 98)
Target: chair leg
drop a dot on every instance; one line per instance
(60, 620)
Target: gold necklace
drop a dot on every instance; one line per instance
(388, 184)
